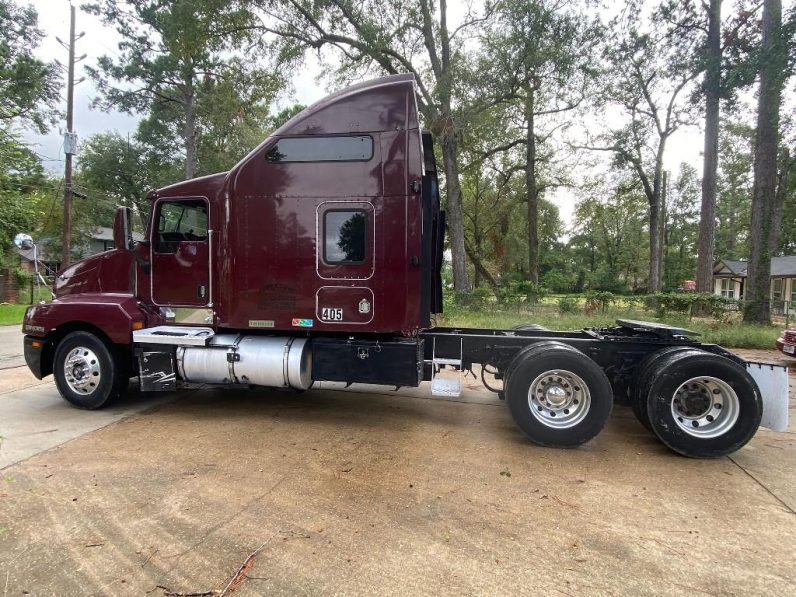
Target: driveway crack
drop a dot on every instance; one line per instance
(759, 482)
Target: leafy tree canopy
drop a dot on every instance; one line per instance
(28, 86)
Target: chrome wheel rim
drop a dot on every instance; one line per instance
(559, 399)
(705, 407)
(82, 370)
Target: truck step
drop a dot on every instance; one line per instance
(440, 361)
(446, 386)
(180, 335)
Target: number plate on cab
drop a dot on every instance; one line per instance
(331, 314)
(344, 305)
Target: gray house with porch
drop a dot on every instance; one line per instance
(729, 279)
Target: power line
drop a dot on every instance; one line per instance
(52, 208)
(95, 194)
(44, 158)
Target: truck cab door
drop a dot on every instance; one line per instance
(180, 252)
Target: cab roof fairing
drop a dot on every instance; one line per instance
(219, 180)
(292, 126)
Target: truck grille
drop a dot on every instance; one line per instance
(790, 337)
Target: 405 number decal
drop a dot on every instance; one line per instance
(331, 314)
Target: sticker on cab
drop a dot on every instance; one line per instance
(302, 323)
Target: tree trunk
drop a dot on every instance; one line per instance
(476, 239)
(656, 221)
(189, 133)
(500, 243)
(655, 247)
(480, 270)
(664, 226)
(455, 216)
(730, 236)
(758, 282)
(785, 164)
(532, 191)
(450, 156)
(710, 161)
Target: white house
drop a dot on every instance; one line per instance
(729, 279)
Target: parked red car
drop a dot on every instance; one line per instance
(787, 342)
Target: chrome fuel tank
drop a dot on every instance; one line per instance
(276, 362)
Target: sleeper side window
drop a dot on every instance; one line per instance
(339, 148)
(345, 236)
(180, 221)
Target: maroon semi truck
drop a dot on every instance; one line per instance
(318, 257)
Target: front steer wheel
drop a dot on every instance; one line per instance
(703, 405)
(87, 372)
(557, 395)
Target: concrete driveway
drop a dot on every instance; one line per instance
(373, 492)
(11, 347)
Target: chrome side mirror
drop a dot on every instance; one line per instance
(24, 241)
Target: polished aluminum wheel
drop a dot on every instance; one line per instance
(559, 399)
(82, 370)
(705, 407)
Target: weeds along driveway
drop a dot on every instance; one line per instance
(358, 492)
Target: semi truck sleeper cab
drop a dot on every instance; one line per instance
(318, 258)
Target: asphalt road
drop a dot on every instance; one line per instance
(11, 346)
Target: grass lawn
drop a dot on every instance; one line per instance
(12, 314)
(730, 335)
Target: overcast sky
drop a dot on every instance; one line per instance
(684, 146)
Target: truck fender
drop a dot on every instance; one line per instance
(110, 318)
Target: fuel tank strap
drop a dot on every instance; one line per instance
(233, 357)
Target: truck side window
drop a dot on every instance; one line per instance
(179, 221)
(345, 234)
(340, 148)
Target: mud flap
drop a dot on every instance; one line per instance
(773, 383)
(156, 371)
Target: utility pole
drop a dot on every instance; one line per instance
(70, 141)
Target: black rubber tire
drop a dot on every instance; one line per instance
(646, 372)
(546, 356)
(519, 357)
(113, 379)
(677, 368)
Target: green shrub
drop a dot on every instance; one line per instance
(633, 301)
(477, 298)
(557, 281)
(719, 307)
(508, 296)
(568, 304)
(692, 303)
(532, 291)
(670, 302)
(602, 298)
(23, 277)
